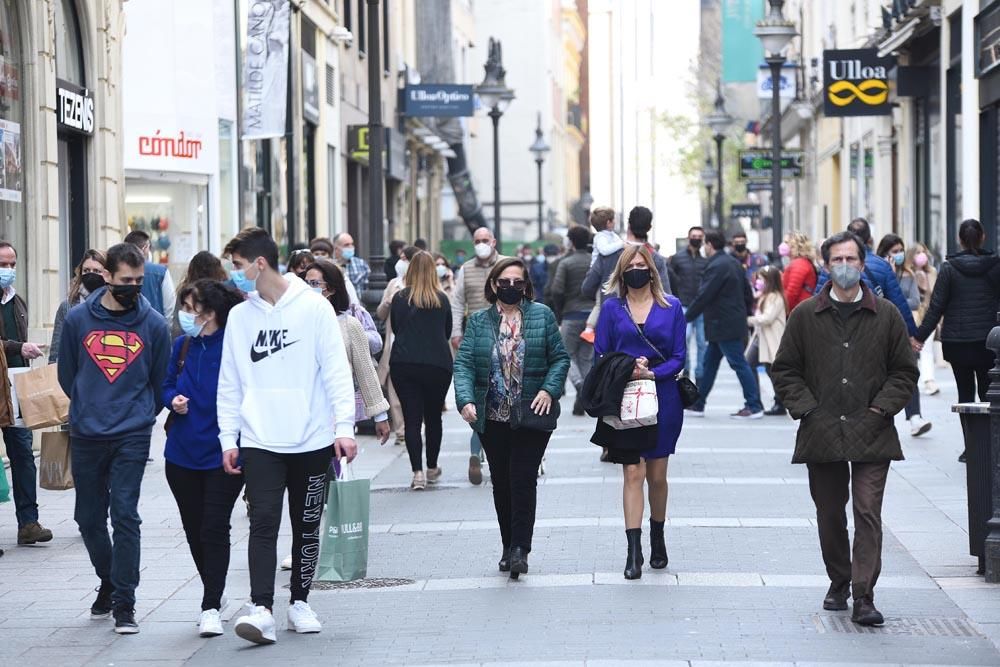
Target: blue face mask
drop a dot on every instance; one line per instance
(242, 283)
(7, 277)
(318, 290)
(898, 258)
(188, 325)
(347, 254)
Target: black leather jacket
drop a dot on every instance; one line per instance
(686, 271)
(967, 294)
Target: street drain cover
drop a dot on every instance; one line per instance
(923, 627)
(359, 584)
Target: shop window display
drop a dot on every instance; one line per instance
(175, 217)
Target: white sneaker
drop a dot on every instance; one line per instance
(302, 619)
(688, 412)
(210, 624)
(918, 426)
(419, 482)
(287, 563)
(257, 626)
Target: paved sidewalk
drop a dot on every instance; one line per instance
(744, 585)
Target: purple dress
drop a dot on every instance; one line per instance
(665, 328)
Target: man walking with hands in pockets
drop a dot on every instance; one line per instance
(281, 423)
(845, 368)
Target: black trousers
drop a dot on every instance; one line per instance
(514, 457)
(205, 499)
(268, 475)
(831, 484)
(753, 358)
(970, 363)
(422, 389)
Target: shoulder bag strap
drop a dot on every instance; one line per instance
(184, 353)
(639, 331)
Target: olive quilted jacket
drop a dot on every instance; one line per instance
(545, 359)
(830, 371)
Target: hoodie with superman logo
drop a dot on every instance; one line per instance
(112, 366)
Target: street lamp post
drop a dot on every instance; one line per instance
(719, 121)
(775, 33)
(496, 96)
(708, 177)
(539, 149)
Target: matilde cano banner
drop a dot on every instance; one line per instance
(265, 69)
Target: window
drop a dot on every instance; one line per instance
(386, 67)
(348, 23)
(69, 49)
(361, 36)
(331, 87)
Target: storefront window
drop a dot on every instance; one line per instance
(174, 214)
(12, 180)
(228, 216)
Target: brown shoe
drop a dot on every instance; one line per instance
(33, 532)
(433, 475)
(836, 597)
(475, 471)
(865, 613)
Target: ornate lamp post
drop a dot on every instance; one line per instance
(775, 33)
(495, 96)
(719, 121)
(708, 176)
(539, 149)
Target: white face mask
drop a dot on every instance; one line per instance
(483, 250)
(401, 267)
(442, 270)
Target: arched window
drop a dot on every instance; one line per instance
(69, 46)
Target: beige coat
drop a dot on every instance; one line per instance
(382, 312)
(769, 326)
(362, 368)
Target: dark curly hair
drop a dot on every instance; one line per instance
(212, 296)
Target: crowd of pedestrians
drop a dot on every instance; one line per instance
(845, 337)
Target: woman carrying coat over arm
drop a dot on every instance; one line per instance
(640, 320)
(511, 360)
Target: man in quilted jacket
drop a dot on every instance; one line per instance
(845, 368)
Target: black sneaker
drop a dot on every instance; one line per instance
(125, 622)
(101, 608)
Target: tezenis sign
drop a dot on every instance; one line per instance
(856, 83)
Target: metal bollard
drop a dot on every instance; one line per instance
(992, 548)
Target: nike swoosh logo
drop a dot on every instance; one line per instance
(256, 356)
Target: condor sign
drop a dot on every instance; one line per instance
(856, 83)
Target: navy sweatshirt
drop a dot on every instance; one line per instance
(112, 365)
(193, 441)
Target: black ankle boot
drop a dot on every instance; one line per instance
(504, 563)
(518, 561)
(633, 561)
(657, 547)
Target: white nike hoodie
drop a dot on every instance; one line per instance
(285, 384)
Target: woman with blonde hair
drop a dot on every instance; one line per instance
(918, 261)
(420, 364)
(88, 276)
(640, 320)
(800, 276)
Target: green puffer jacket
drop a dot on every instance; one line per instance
(545, 359)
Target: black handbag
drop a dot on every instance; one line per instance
(688, 389)
(525, 417)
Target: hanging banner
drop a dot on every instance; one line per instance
(265, 69)
(856, 83)
(741, 49)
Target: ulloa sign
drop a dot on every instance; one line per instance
(856, 83)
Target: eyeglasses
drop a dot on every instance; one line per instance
(299, 252)
(506, 282)
(316, 283)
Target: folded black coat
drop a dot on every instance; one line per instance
(601, 395)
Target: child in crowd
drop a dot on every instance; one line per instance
(606, 242)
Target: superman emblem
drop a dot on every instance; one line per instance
(113, 351)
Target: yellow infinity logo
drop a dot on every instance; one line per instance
(871, 92)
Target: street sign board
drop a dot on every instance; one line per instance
(745, 210)
(856, 83)
(755, 165)
(440, 100)
(758, 186)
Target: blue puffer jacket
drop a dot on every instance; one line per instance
(878, 271)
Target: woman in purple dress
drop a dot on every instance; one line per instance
(643, 322)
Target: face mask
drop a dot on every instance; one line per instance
(483, 250)
(920, 259)
(695, 243)
(401, 267)
(510, 295)
(784, 250)
(318, 290)
(527, 257)
(243, 284)
(898, 258)
(7, 277)
(550, 258)
(92, 281)
(126, 295)
(188, 325)
(347, 254)
(759, 284)
(739, 247)
(442, 270)
(636, 278)
(845, 276)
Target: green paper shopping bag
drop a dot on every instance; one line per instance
(4, 487)
(343, 552)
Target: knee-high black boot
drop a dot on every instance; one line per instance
(633, 561)
(657, 546)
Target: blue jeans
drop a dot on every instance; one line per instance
(733, 351)
(107, 475)
(23, 474)
(475, 445)
(696, 330)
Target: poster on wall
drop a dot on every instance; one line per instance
(11, 175)
(265, 69)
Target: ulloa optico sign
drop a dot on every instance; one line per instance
(441, 100)
(856, 83)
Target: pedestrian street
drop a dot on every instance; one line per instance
(744, 584)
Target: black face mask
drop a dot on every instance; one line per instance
(636, 278)
(695, 243)
(126, 295)
(739, 247)
(510, 295)
(92, 281)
